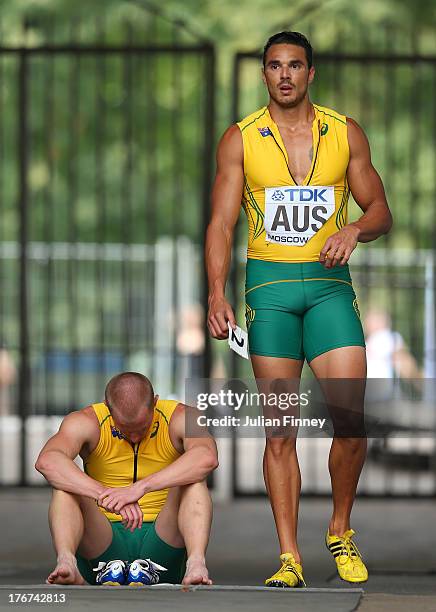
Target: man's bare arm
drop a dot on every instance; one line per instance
(56, 464)
(56, 459)
(368, 192)
(366, 187)
(226, 203)
(198, 459)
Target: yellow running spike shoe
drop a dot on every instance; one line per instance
(290, 575)
(347, 556)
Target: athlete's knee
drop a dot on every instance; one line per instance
(195, 488)
(60, 496)
(352, 446)
(86, 502)
(280, 447)
(82, 502)
(348, 424)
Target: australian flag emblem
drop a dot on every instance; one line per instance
(116, 433)
(265, 131)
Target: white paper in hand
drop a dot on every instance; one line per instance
(238, 341)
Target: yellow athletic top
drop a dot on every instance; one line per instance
(288, 222)
(115, 462)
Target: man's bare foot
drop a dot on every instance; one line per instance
(65, 572)
(196, 572)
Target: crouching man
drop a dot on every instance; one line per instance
(142, 494)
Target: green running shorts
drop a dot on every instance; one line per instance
(143, 543)
(300, 310)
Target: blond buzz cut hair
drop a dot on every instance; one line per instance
(129, 393)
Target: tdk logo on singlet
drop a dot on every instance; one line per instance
(300, 194)
(278, 196)
(294, 214)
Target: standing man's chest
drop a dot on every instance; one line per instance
(276, 160)
(299, 147)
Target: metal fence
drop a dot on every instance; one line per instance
(385, 78)
(106, 144)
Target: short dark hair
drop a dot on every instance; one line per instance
(290, 38)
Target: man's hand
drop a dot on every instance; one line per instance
(339, 246)
(220, 312)
(132, 516)
(114, 499)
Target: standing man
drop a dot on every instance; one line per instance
(292, 165)
(142, 495)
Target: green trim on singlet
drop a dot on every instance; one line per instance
(105, 418)
(340, 217)
(251, 215)
(157, 410)
(258, 225)
(255, 119)
(249, 212)
(328, 115)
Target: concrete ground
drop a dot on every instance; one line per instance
(396, 538)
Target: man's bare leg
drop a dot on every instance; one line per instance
(280, 462)
(347, 454)
(75, 522)
(195, 519)
(185, 520)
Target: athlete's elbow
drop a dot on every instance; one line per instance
(220, 230)
(43, 464)
(384, 227)
(214, 464)
(210, 462)
(389, 222)
(386, 217)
